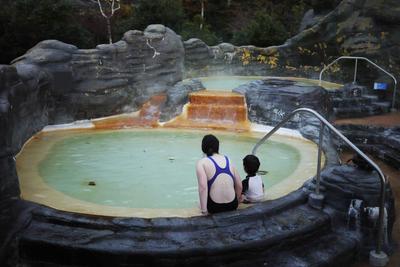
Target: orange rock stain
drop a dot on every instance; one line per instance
(205, 110)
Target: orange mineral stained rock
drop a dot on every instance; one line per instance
(215, 110)
(206, 109)
(148, 116)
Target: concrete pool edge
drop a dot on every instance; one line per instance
(34, 189)
(54, 236)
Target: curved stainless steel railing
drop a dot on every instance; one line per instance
(355, 72)
(324, 123)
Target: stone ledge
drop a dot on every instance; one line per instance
(162, 240)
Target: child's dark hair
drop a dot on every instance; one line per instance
(210, 145)
(251, 165)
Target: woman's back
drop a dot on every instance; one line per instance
(219, 183)
(222, 189)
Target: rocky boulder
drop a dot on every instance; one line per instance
(270, 100)
(88, 83)
(354, 191)
(383, 143)
(177, 97)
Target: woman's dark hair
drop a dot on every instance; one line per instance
(210, 145)
(251, 165)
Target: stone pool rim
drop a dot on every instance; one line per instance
(70, 204)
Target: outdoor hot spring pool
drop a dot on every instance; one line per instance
(145, 172)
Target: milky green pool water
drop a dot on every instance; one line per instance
(149, 168)
(227, 83)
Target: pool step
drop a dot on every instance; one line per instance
(357, 111)
(361, 106)
(216, 98)
(217, 106)
(217, 113)
(213, 110)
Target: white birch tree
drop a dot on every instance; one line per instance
(202, 14)
(107, 10)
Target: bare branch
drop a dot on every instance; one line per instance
(101, 10)
(113, 6)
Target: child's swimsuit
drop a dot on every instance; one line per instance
(253, 188)
(212, 206)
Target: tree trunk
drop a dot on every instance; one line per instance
(202, 14)
(109, 31)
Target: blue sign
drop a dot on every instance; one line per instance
(380, 86)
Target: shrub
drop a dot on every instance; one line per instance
(191, 29)
(24, 23)
(262, 31)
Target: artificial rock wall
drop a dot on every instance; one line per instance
(56, 82)
(109, 79)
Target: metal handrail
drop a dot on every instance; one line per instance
(324, 123)
(355, 73)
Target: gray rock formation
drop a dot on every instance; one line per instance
(177, 96)
(197, 56)
(383, 143)
(270, 100)
(308, 20)
(102, 81)
(346, 182)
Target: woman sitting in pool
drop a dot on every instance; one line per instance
(219, 182)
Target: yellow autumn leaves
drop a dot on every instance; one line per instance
(247, 57)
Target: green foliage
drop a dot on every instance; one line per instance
(23, 23)
(191, 29)
(167, 12)
(297, 12)
(27, 22)
(263, 31)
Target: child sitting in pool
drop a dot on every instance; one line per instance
(253, 186)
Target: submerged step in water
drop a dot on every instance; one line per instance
(139, 169)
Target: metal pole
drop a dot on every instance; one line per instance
(394, 96)
(321, 136)
(357, 150)
(381, 219)
(355, 71)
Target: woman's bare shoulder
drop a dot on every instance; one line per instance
(201, 161)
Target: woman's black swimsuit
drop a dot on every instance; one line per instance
(212, 206)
